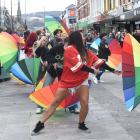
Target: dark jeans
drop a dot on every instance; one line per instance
(73, 107)
(98, 76)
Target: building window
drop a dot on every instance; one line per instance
(124, 1)
(72, 21)
(120, 2)
(105, 5)
(72, 12)
(109, 5)
(112, 4)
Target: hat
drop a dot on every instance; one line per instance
(102, 35)
(56, 31)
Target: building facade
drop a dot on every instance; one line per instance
(5, 18)
(83, 9)
(69, 16)
(108, 15)
(19, 13)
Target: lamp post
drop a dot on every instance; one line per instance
(12, 27)
(0, 13)
(25, 12)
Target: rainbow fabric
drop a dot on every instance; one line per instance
(131, 71)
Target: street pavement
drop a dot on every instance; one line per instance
(108, 118)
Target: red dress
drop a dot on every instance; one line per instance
(72, 75)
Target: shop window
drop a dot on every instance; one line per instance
(72, 13)
(124, 1)
(72, 21)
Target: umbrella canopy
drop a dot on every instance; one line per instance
(108, 39)
(8, 50)
(95, 44)
(131, 71)
(46, 80)
(45, 96)
(116, 53)
(53, 23)
(18, 39)
(16, 79)
(28, 70)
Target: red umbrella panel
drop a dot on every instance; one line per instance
(115, 58)
(18, 39)
(45, 96)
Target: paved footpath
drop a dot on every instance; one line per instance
(108, 118)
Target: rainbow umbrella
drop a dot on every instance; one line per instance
(45, 96)
(116, 53)
(28, 70)
(18, 39)
(108, 39)
(8, 50)
(94, 46)
(16, 79)
(53, 23)
(46, 80)
(131, 71)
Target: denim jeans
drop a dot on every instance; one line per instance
(98, 76)
(73, 107)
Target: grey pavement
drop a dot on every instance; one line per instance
(108, 118)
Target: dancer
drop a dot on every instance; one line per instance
(77, 65)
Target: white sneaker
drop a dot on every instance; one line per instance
(77, 110)
(101, 81)
(39, 110)
(95, 80)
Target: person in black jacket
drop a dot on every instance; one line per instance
(42, 51)
(103, 53)
(57, 38)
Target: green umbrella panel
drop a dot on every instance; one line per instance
(32, 67)
(8, 50)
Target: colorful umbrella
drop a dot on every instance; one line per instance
(16, 79)
(116, 53)
(8, 50)
(108, 39)
(95, 44)
(28, 70)
(45, 96)
(18, 39)
(131, 71)
(46, 80)
(53, 23)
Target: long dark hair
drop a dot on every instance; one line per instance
(75, 39)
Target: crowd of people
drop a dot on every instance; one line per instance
(70, 60)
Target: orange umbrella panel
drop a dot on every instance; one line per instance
(46, 95)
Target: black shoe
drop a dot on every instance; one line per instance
(39, 126)
(82, 126)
